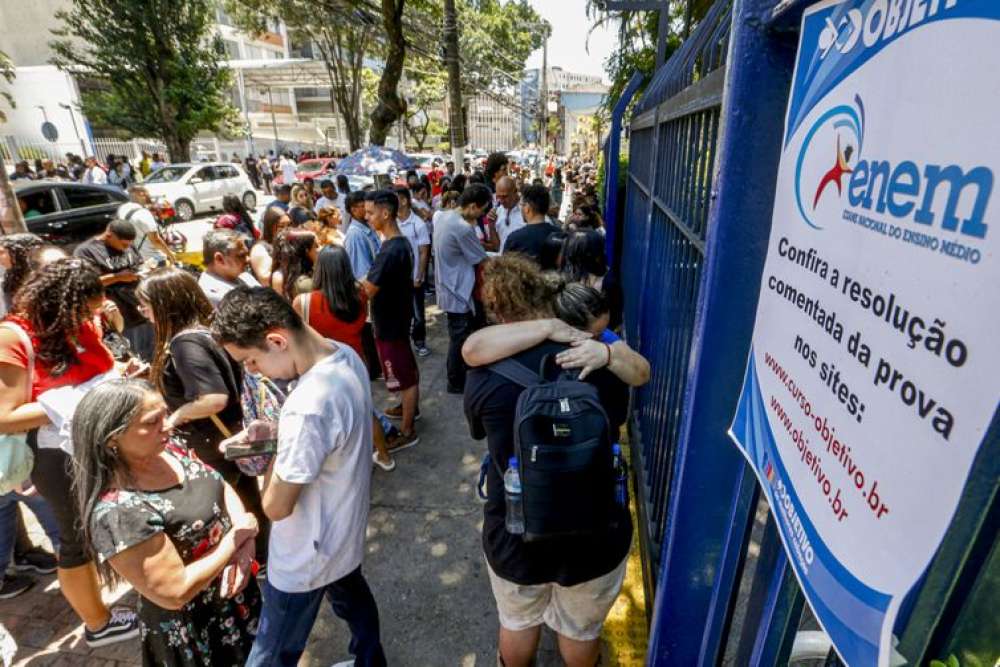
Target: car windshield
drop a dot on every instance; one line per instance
(167, 175)
(312, 165)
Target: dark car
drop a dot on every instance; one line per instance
(67, 213)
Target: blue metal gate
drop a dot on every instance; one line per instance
(704, 143)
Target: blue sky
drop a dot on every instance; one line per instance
(568, 44)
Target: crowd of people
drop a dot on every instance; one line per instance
(210, 439)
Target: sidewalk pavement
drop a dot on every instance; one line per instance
(424, 562)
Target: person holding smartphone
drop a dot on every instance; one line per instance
(199, 381)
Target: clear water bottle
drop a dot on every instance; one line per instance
(621, 477)
(515, 504)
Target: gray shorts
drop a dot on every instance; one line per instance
(577, 612)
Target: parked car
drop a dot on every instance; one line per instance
(67, 213)
(425, 161)
(314, 168)
(199, 187)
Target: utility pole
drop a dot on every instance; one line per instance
(544, 95)
(455, 120)
(274, 121)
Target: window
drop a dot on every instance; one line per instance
(205, 174)
(83, 197)
(226, 172)
(232, 49)
(38, 203)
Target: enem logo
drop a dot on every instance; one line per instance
(831, 160)
(832, 147)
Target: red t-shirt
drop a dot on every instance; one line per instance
(93, 358)
(330, 326)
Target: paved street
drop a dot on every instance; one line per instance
(424, 562)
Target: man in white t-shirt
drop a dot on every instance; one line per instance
(226, 260)
(416, 232)
(138, 211)
(509, 218)
(316, 490)
(287, 166)
(93, 174)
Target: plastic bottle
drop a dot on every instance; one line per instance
(621, 479)
(515, 506)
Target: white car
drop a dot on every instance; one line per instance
(199, 187)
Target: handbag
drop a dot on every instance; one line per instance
(16, 458)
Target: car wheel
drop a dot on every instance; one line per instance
(184, 209)
(249, 200)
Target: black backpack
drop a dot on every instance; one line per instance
(562, 439)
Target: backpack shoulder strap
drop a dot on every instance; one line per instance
(516, 372)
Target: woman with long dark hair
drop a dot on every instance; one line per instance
(235, 217)
(273, 223)
(584, 261)
(199, 382)
(337, 308)
(160, 519)
(52, 339)
(294, 257)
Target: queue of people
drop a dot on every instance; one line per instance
(218, 454)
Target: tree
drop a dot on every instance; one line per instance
(390, 106)
(156, 66)
(6, 74)
(341, 44)
(424, 92)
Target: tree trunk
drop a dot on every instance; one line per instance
(179, 149)
(390, 105)
(455, 118)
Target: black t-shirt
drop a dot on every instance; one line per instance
(392, 273)
(490, 402)
(530, 239)
(107, 260)
(198, 366)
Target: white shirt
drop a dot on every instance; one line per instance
(287, 170)
(325, 444)
(96, 176)
(215, 288)
(326, 202)
(508, 222)
(145, 224)
(415, 230)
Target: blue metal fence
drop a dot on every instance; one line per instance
(704, 145)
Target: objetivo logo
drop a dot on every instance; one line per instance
(829, 153)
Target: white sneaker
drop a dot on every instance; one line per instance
(346, 663)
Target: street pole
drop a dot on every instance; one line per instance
(455, 120)
(544, 130)
(11, 220)
(76, 130)
(274, 121)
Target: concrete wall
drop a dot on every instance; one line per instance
(25, 29)
(45, 87)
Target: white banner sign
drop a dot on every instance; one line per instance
(875, 367)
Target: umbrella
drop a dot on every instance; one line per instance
(375, 160)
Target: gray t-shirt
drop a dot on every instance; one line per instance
(457, 251)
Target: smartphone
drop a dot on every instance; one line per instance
(255, 448)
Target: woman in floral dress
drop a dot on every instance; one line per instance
(168, 525)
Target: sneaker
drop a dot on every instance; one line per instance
(13, 585)
(401, 442)
(124, 624)
(346, 663)
(423, 351)
(388, 467)
(35, 560)
(396, 412)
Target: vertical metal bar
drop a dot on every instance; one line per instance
(780, 618)
(706, 465)
(611, 169)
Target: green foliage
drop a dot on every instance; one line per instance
(495, 41)
(155, 65)
(7, 74)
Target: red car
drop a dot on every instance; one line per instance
(315, 168)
